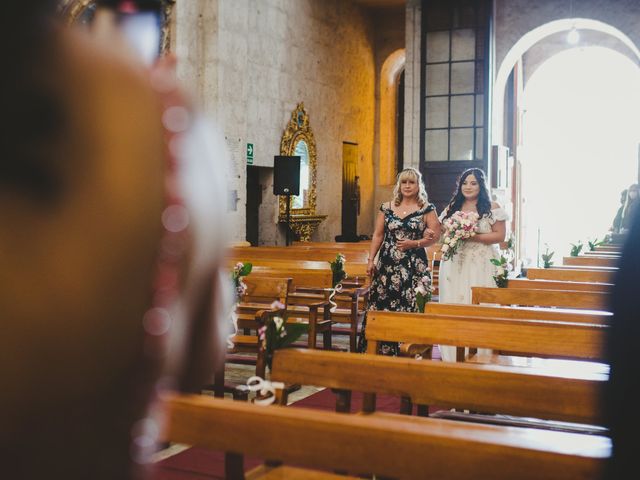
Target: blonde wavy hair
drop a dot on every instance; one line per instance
(413, 174)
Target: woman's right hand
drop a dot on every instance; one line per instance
(371, 269)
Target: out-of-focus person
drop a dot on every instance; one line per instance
(623, 388)
(630, 207)
(111, 201)
(616, 225)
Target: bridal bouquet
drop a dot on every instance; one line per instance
(458, 227)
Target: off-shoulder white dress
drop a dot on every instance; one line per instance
(470, 267)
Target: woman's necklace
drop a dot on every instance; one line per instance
(404, 212)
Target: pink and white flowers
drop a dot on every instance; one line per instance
(457, 228)
(423, 292)
(239, 271)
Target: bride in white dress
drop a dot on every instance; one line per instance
(471, 265)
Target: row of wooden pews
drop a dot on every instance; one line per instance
(387, 446)
(544, 377)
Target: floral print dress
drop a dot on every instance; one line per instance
(397, 273)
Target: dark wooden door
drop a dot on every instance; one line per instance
(350, 193)
(254, 199)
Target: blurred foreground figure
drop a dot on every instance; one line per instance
(110, 194)
(623, 387)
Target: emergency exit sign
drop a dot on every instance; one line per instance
(249, 153)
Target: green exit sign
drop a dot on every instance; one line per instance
(250, 153)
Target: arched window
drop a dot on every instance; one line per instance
(391, 116)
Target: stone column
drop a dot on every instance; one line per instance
(412, 101)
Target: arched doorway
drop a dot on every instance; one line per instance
(529, 62)
(579, 149)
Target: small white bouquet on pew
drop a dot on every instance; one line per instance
(547, 256)
(503, 264)
(337, 270)
(457, 228)
(239, 271)
(277, 333)
(423, 292)
(239, 288)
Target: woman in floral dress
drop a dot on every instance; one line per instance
(404, 227)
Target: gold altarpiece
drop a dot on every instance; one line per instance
(298, 139)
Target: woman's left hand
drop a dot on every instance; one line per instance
(405, 244)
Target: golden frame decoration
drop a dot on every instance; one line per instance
(72, 9)
(303, 220)
(298, 129)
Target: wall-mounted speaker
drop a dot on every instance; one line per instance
(286, 175)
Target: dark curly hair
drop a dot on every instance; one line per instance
(484, 200)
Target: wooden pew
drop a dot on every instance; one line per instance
(389, 446)
(485, 388)
(602, 254)
(299, 277)
(593, 261)
(350, 308)
(520, 313)
(570, 275)
(350, 303)
(352, 268)
(253, 312)
(559, 285)
(314, 254)
(534, 337)
(609, 249)
(542, 298)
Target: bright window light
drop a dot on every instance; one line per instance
(573, 37)
(580, 147)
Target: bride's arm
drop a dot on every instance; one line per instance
(432, 232)
(498, 232)
(497, 235)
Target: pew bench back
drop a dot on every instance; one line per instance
(541, 298)
(538, 338)
(484, 388)
(420, 447)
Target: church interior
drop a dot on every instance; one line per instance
(320, 239)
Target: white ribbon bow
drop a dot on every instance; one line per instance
(257, 384)
(336, 289)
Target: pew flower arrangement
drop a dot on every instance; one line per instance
(423, 292)
(277, 333)
(594, 243)
(239, 271)
(503, 264)
(337, 270)
(576, 248)
(458, 227)
(546, 258)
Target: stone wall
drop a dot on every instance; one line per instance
(250, 62)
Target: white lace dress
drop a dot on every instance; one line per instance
(469, 267)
